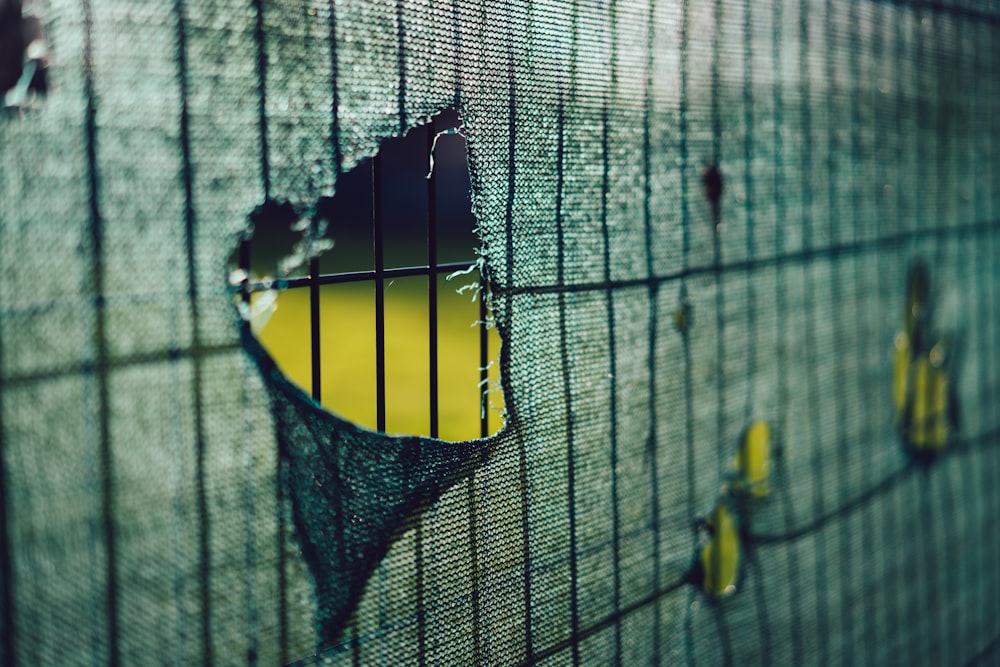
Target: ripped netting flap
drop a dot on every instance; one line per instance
(352, 492)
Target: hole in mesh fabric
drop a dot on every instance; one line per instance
(24, 54)
(417, 192)
(353, 491)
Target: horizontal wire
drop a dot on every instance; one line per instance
(750, 265)
(359, 276)
(606, 622)
(117, 363)
(962, 446)
(949, 10)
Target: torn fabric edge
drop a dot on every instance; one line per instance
(353, 491)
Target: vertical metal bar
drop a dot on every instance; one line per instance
(379, 293)
(652, 456)
(105, 458)
(432, 278)
(8, 633)
(314, 326)
(484, 360)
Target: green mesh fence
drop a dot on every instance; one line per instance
(695, 217)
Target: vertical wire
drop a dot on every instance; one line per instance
(975, 324)
(872, 424)
(314, 331)
(748, 203)
(964, 178)
(414, 457)
(834, 150)
(720, 345)
(980, 273)
(379, 248)
(947, 517)
(763, 617)
(994, 297)
(612, 335)
(939, 222)
(250, 523)
(892, 536)
(971, 181)
(178, 481)
(682, 132)
(647, 223)
(337, 156)
(985, 188)
(190, 240)
(8, 632)
(432, 389)
(265, 165)
(809, 335)
(716, 207)
(574, 611)
(511, 405)
(484, 360)
(96, 232)
(880, 605)
(379, 252)
(265, 173)
(456, 35)
(916, 504)
(689, 608)
(781, 361)
(716, 83)
(484, 431)
(994, 363)
(8, 635)
(692, 509)
(471, 494)
(315, 335)
(337, 159)
(719, 612)
(760, 597)
(401, 64)
(820, 605)
(432, 291)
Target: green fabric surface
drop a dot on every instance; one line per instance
(159, 477)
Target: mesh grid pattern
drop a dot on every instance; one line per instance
(159, 493)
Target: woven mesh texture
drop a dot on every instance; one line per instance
(167, 497)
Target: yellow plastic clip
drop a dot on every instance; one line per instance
(925, 422)
(921, 380)
(752, 464)
(901, 372)
(718, 562)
